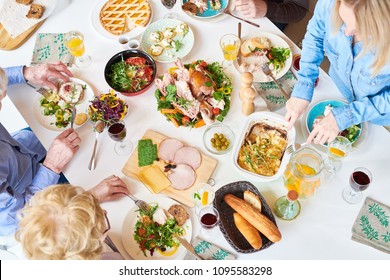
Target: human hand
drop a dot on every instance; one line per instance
(325, 131)
(43, 74)
(109, 189)
(62, 150)
(251, 8)
(295, 108)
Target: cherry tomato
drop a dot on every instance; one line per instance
(141, 231)
(216, 111)
(136, 61)
(203, 63)
(185, 120)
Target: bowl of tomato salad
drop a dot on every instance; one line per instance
(130, 72)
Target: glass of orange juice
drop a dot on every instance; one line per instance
(230, 45)
(338, 149)
(74, 42)
(203, 196)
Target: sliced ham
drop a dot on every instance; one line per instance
(189, 156)
(168, 148)
(182, 177)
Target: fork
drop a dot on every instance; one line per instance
(41, 90)
(268, 72)
(294, 147)
(140, 203)
(227, 12)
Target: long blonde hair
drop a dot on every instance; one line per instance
(372, 21)
(62, 222)
(3, 84)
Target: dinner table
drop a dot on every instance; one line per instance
(322, 231)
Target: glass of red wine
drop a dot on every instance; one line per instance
(209, 219)
(117, 132)
(169, 4)
(359, 181)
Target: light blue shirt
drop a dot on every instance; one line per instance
(368, 98)
(21, 174)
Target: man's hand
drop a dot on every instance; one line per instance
(325, 131)
(62, 150)
(109, 189)
(251, 8)
(44, 74)
(295, 108)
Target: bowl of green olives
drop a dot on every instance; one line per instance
(218, 139)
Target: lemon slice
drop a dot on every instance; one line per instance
(205, 198)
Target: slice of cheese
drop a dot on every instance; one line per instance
(155, 178)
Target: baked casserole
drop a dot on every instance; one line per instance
(262, 149)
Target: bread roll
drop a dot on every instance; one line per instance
(252, 199)
(252, 215)
(251, 234)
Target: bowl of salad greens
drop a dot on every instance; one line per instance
(322, 109)
(130, 72)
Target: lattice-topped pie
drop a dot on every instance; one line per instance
(121, 16)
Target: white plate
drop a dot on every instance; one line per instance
(274, 120)
(168, 55)
(276, 41)
(209, 13)
(46, 121)
(95, 19)
(128, 227)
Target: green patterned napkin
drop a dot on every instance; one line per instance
(209, 251)
(371, 226)
(50, 48)
(271, 93)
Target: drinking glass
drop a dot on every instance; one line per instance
(338, 149)
(209, 219)
(74, 42)
(169, 4)
(230, 45)
(359, 181)
(117, 132)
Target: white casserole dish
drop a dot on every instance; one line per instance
(274, 120)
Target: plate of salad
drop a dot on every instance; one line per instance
(266, 48)
(209, 9)
(151, 236)
(194, 94)
(55, 113)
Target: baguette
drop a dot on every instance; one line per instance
(251, 234)
(252, 199)
(252, 215)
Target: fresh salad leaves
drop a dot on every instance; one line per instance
(278, 56)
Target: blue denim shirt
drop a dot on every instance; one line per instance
(21, 174)
(368, 98)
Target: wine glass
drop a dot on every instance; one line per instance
(203, 196)
(169, 4)
(230, 45)
(338, 149)
(209, 219)
(74, 42)
(359, 181)
(117, 132)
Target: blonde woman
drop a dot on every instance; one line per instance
(353, 35)
(64, 222)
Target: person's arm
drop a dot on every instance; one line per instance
(288, 11)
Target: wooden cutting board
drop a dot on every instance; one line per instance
(203, 173)
(8, 43)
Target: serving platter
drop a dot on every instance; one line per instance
(128, 227)
(259, 76)
(203, 173)
(168, 55)
(227, 226)
(81, 107)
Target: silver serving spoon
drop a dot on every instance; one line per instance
(98, 128)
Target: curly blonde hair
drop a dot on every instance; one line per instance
(62, 222)
(372, 17)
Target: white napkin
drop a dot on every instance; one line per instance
(13, 15)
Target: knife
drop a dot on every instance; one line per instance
(189, 247)
(239, 37)
(73, 116)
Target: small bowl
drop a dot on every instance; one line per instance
(125, 55)
(318, 109)
(209, 134)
